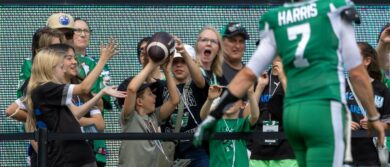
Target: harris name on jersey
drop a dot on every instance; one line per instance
(297, 14)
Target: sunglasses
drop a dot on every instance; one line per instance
(68, 33)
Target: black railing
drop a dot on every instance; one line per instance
(42, 136)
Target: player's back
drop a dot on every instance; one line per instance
(307, 38)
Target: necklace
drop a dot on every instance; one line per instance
(228, 129)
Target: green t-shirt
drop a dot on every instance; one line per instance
(85, 65)
(223, 151)
(308, 41)
(24, 74)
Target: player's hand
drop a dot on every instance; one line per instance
(378, 127)
(204, 131)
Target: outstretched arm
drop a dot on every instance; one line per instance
(106, 53)
(80, 111)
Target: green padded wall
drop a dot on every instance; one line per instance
(128, 24)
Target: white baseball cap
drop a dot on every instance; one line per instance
(60, 20)
(190, 50)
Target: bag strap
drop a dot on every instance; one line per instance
(181, 108)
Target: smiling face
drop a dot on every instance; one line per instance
(142, 55)
(207, 47)
(70, 64)
(180, 69)
(81, 35)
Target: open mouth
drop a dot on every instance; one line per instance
(207, 52)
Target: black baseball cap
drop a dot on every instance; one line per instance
(233, 29)
(123, 87)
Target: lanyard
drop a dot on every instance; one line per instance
(213, 78)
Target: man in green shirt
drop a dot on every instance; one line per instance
(315, 40)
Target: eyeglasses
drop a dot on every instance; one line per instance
(207, 40)
(80, 31)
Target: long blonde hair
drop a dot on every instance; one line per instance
(42, 72)
(216, 65)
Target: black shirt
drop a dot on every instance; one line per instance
(195, 98)
(271, 109)
(364, 151)
(50, 100)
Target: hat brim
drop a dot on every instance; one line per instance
(244, 34)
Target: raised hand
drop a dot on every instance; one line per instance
(277, 67)
(214, 91)
(385, 36)
(263, 80)
(107, 52)
(112, 91)
(167, 66)
(179, 45)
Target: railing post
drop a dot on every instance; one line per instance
(42, 147)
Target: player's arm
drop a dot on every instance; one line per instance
(263, 55)
(240, 84)
(359, 76)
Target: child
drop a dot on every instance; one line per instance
(139, 114)
(49, 102)
(231, 152)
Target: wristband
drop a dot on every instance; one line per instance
(374, 118)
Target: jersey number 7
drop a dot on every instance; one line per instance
(293, 32)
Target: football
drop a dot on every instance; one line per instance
(160, 46)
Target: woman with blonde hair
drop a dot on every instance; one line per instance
(50, 106)
(209, 53)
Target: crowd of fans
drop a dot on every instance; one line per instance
(66, 90)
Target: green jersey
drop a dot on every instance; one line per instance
(308, 36)
(227, 152)
(24, 74)
(85, 65)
